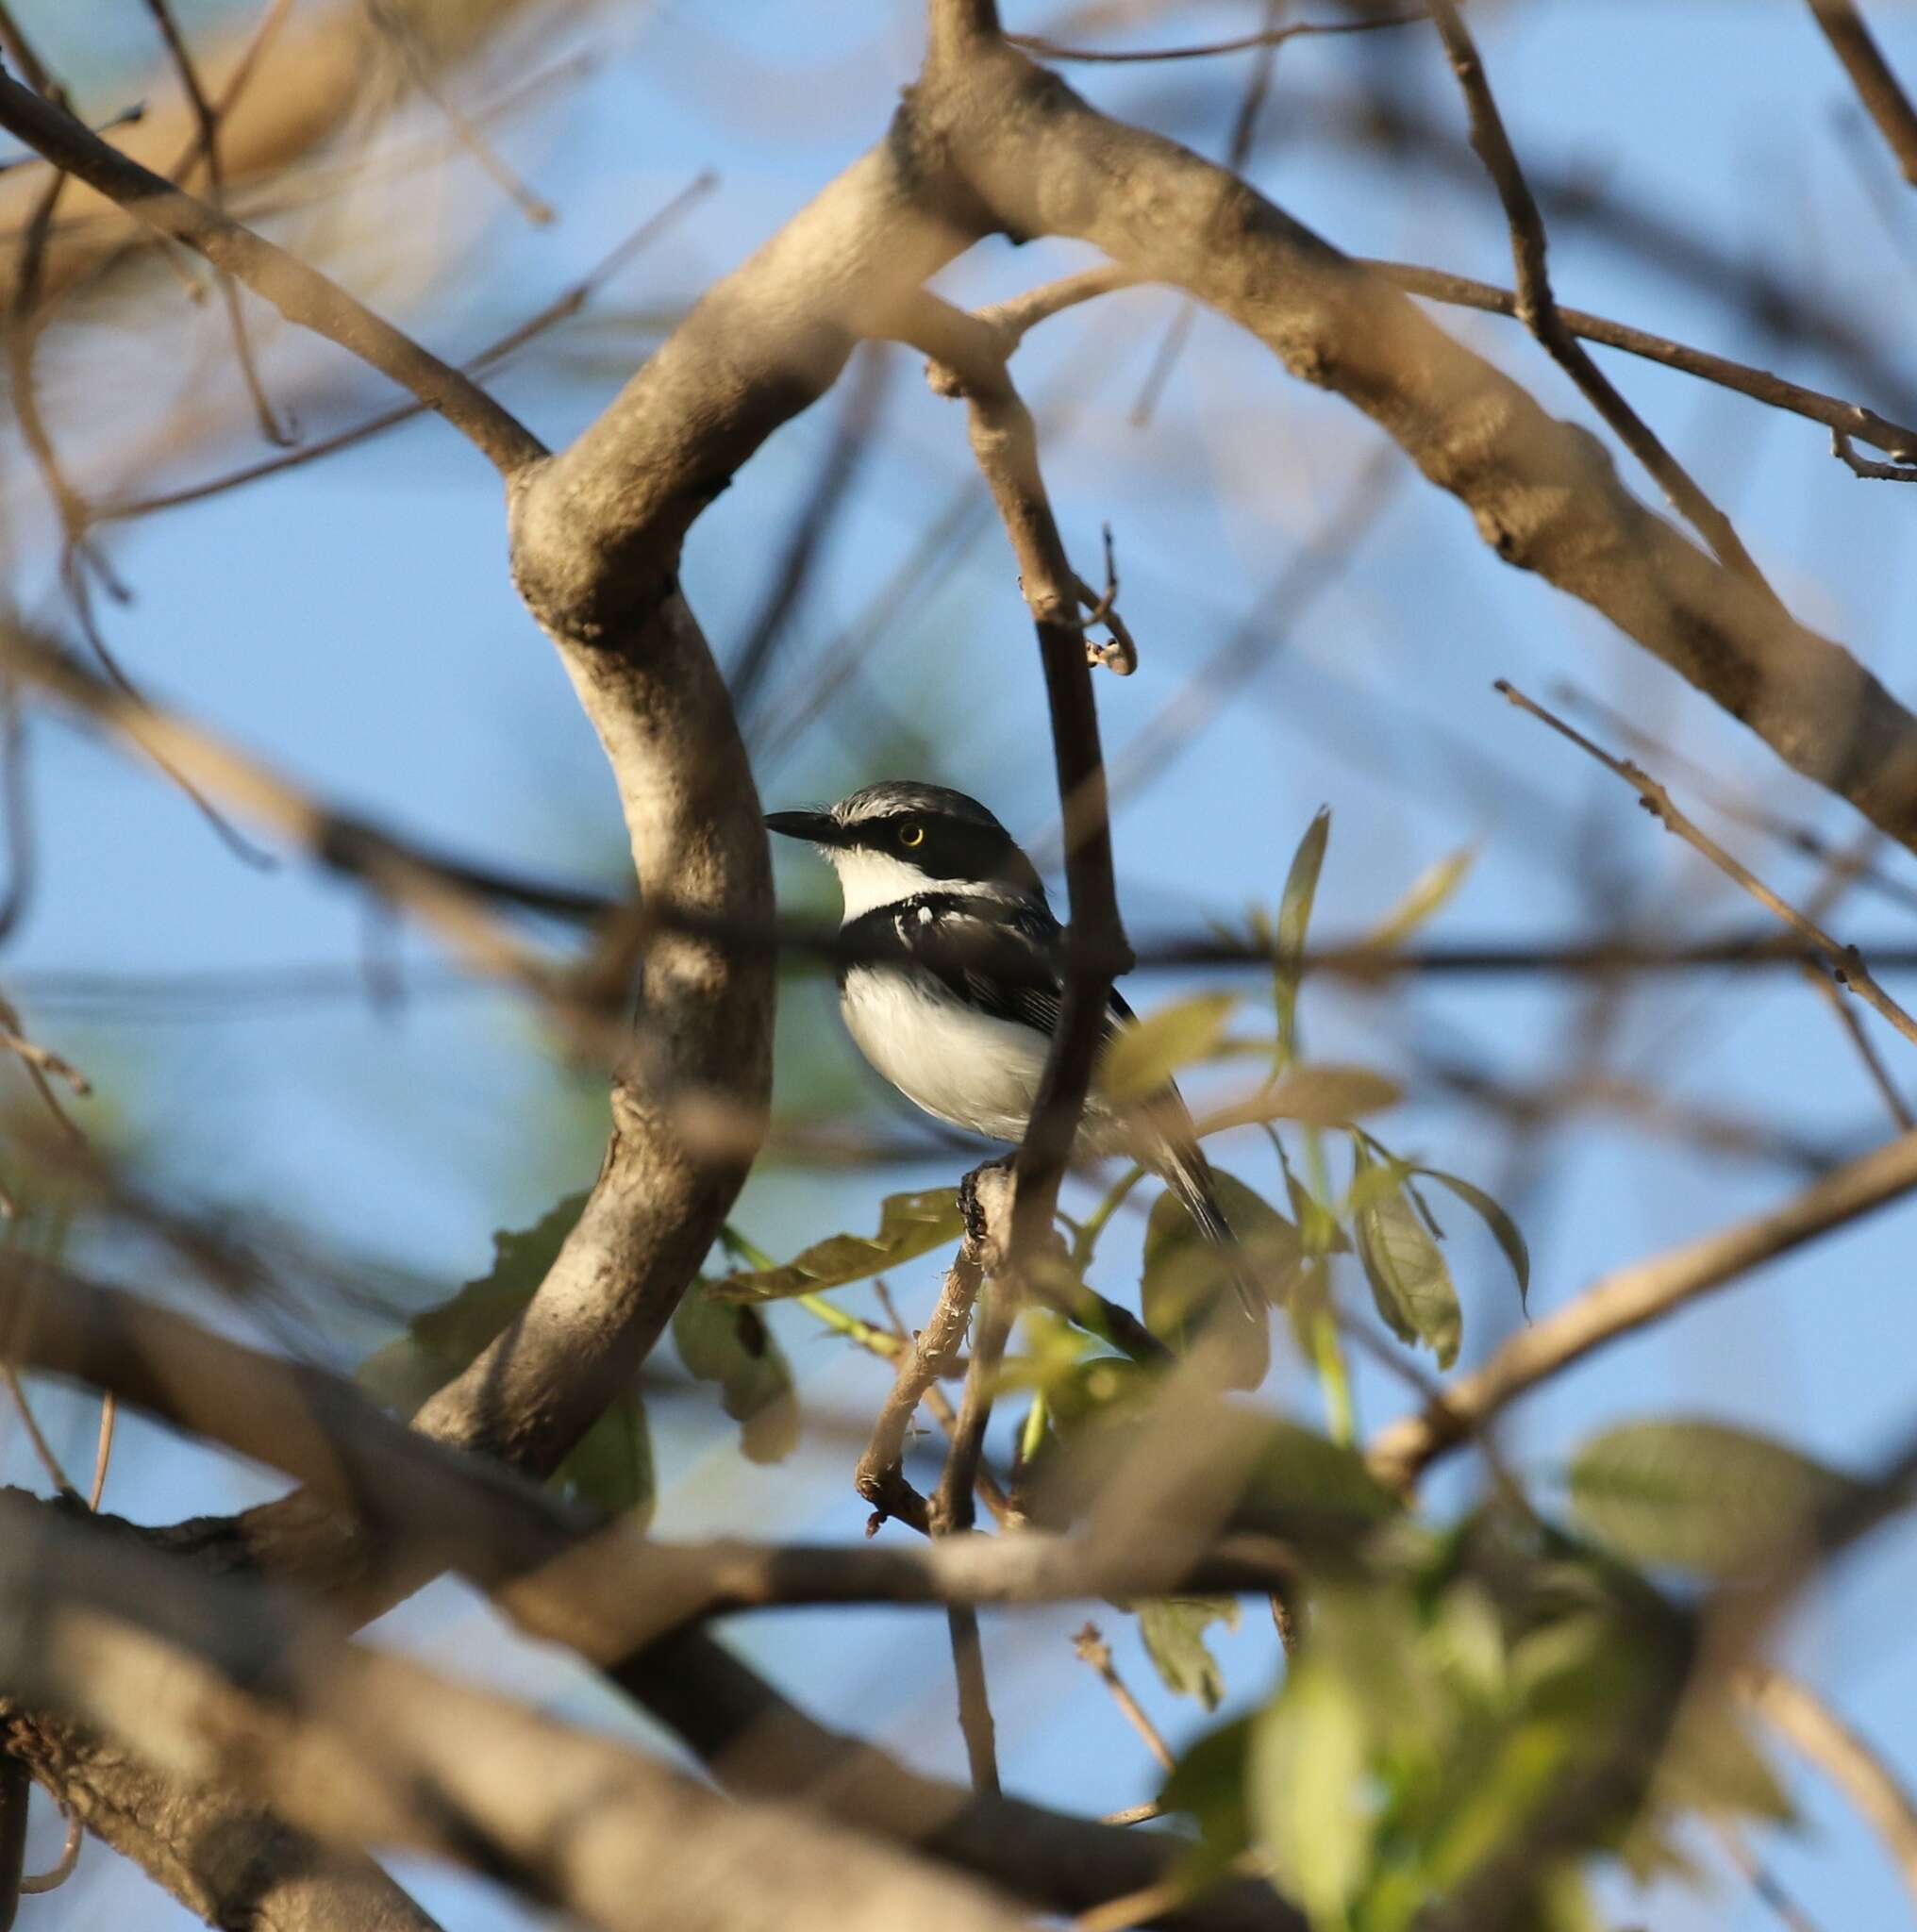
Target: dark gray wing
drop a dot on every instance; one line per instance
(1003, 961)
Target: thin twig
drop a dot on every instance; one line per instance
(1842, 418)
(1537, 307)
(1831, 993)
(538, 211)
(1269, 37)
(1855, 1767)
(1848, 862)
(975, 1700)
(1013, 319)
(1841, 448)
(272, 17)
(300, 293)
(1237, 152)
(103, 1454)
(951, 1510)
(206, 120)
(990, 1490)
(1135, 1814)
(1136, 1908)
(1635, 1296)
(460, 915)
(41, 1447)
(1846, 961)
(966, 358)
(826, 495)
(1091, 1648)
(1876, 87)
(63, 1867)
(42, 1058)
(1763, 1880)
(562, 308)
(880, 1477)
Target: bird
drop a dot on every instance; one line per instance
(953, 984)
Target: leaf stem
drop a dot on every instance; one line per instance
(1086, 1239)
(877, 1340)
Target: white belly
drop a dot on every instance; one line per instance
(963, 1068)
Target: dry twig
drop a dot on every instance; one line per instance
(1537, 307)
(1091, 1648)
(1853, 1765)
(1846, 962)
(1876, 87)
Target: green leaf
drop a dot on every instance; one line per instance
(1318, 1228)
(1699, 1495)
(908, 1225)
(1173, 1629)
(1325, 1096)
(1209, 1785)
(1429, 891)
(522, 1258)
(1525, 1765)
(439, 1345)
(611, 1467)
(1189, 1281)
(1409, 1280)
(1504, 1229)
(1304, 1475)
(729, 1344)
(1142, 1059)
(1294, 919)
(1711, 1763)
(1307, 1791)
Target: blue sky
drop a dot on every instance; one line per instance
(354, 624)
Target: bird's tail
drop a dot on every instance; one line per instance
(1188, 1174)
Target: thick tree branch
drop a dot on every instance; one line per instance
(1633, 1297)
(603, 1589)
(1544, 493)
(409, 1506)
(214, 1848)
(232, 1686)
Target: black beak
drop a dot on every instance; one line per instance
(815, 827)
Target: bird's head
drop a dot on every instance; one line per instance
(894, 840)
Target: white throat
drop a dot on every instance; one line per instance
(869, 879)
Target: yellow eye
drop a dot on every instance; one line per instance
(911, 835)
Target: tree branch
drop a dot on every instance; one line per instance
(1634, 1298)
(1876, 87)
(1857, 1769)
(1841, 418)
(301, 294)
(1240, 44)
(1846, 962)
(1542, 492)
(413, 1508)
(234, 1687)
(1537, 305)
